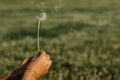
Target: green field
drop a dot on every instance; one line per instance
(82, 37)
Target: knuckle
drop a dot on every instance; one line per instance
(43, 52)
(46, 62)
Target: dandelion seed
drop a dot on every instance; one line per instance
(38, 5)
(57, 7)
(42, 3)
(58, 4)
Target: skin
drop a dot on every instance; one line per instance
(31, 68)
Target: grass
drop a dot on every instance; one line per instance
(82, 38)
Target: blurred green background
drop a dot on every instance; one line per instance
(82, 37)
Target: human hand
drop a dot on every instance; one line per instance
(38, 66)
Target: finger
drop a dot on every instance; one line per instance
(23, 62)
(46, 71)
(40, 55)
(49, 64)
(47, 56)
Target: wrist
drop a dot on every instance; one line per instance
(29, 75)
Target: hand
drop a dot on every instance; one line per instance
(31, 68)
(19, 71)
(38, 66)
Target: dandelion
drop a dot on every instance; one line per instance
(41, 17)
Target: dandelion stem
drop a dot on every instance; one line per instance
(38, 35)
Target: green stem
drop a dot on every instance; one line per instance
(38, 35)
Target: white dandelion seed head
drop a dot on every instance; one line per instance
(42, 16)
